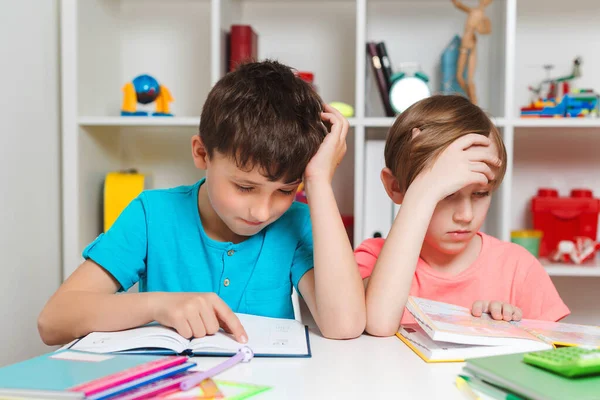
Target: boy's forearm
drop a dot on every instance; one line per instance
(390, 282)
(339, 290)
(73, 314)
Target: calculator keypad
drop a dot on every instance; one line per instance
(566, 361)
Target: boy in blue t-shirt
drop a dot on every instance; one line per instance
(235, 241)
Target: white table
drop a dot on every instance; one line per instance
(363, 368)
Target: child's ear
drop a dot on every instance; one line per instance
(199, 153)
(390, 183)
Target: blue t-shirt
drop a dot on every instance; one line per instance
(159, 241)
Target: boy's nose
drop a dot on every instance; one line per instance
(260, 211)
(464, 211)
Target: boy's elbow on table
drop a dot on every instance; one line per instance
(341, 333)
(380, 329)
(344, 328)
(47, 334)
(54, 330)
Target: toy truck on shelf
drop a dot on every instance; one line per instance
(579, 103)
(554, 98)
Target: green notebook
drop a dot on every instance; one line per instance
(511, 373)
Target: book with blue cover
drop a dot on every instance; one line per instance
(68, 370)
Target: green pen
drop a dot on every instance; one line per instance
(489, 389)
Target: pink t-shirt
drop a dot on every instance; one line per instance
(503, 272)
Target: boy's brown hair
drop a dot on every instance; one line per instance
(262, 115)
(441, 119)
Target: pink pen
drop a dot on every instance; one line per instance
(244, 354)
(154, 389)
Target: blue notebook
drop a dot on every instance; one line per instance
(65, 369)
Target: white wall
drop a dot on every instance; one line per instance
(29, 172)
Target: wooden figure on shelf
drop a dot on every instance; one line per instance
(477, 22)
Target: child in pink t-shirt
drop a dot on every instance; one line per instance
(444, 158)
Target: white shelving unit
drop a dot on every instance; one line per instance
(590, 268)
(431, 25)
(139, 121)
(105, 43)
(557, 123)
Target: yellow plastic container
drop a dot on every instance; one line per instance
(528, 238)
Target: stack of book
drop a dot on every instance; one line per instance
(494, 351)
(509, 377)
(383, 71)
(449, 333)
(147, 362)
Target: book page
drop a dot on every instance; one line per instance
(265, 336)
(448, 318)
(417, 337)
(149, 336)
(563, 334)
(433, 351)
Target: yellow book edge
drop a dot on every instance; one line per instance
(420, 354)
(464, 387)
(564, 344)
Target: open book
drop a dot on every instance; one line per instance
(267, 337)
(447, 333)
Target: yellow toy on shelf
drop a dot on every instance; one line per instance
(120, 188)
(346, 110)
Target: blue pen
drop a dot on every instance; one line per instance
(244, 354)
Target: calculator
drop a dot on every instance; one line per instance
(566, 361)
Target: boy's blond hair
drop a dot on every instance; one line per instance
(441, 119)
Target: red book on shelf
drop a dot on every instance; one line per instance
(243, 45)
